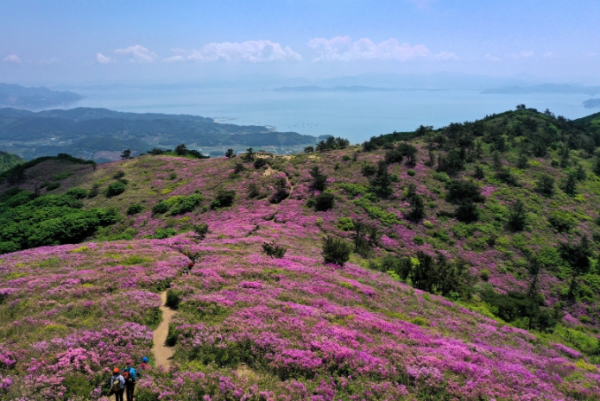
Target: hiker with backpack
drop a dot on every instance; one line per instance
(117, 385)
(130, 377)
(144, 365)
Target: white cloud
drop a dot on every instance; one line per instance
(446, 56)
(523, 54)
(549, 54)
(342, 48)
(12, 58)
(492, 58)
(139, 54)
(102, 59)
(254, 51)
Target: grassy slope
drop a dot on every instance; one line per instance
(302, 302)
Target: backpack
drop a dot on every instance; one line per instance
(128, 376)
(116, 385)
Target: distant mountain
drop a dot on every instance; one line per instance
(545, 88)
(354, 88)
(8, 161)
(592, 103)
(35, 98)
(91, 133)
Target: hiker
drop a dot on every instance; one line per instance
(117, 385)
(130, 377)
(144, 365)
(187, 268)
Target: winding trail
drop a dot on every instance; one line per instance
(163, 353)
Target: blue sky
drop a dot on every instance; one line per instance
(67, 42)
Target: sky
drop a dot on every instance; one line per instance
(62, 42)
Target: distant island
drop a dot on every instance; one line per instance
(545, 88)
(34, 98)
(101, 134)
(354, 88)
(592, 103)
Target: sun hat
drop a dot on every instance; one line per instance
(116, 370)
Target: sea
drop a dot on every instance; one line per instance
(356, 116)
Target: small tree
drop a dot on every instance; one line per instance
(570, 185)
(319, 179)
(309, 149)
(324, 201)
(417, 211)
(181, 150)
(126, 154)
(517, 218)
(201, 230)
(114, 189)
(545, 186)
(224, 198)
(253, 190)
(381, 184)
(249, 156)
(281, 190)
(259, 163)
(273, 250)
(336, 250)
(229, 154)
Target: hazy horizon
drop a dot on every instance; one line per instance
(72, 43)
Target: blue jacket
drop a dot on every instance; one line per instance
(131, 371)
(120, 379)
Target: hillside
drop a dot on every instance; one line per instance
(473, 275)
(93, 133)
(36, 98)
(8, 161)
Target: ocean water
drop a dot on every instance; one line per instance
(356, 116)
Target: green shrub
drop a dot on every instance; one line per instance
(259, 163)
(94, 191)
(324, 201)
(61, 176)
(224, 198)
(134, 208)
(411, 172)
(186, 204)
(162, 233)
(420, 321)
(52, 186)
(354, 190)
(172, 176)
(201, 230)
(562, 222)
(118, 174)
(161, 207)
(273, 250)
(77, 193)
(345, 224)
(484, 274)
(173, 298)
(115, 189)
(418, 240)
(336, 250)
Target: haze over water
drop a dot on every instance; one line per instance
(356, 116)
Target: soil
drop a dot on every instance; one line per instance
(163, 353)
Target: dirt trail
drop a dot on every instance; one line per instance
(271, 171)
(163, 353)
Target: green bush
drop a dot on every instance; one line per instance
(273, 250)
(324, 201)
(61, 176)
(345, 224)
(224, 198)
(186, 204)
(336, 250)
(161, 207)
(259, 163)
(77, 193)
(201, 230)
(115, 189)
(134, 208)
(562, 222)
(52, 186)
(418, 240)
(484, 274)
(411, 172)
(173, 299)
(162, 233)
